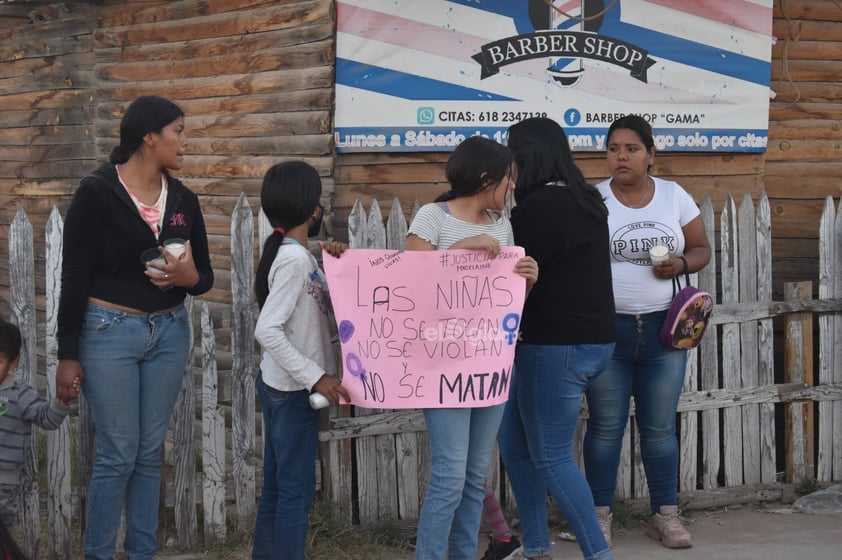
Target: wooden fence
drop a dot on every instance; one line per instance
(374, 463)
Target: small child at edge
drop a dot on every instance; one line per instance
(20, 407)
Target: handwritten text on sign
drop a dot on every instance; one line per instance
(426, 329)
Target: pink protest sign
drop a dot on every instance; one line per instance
(426, 329)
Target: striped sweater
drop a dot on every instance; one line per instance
(20, 407)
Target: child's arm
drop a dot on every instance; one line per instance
(34, 408)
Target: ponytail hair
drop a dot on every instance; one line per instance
(146, 114)
(289, 196)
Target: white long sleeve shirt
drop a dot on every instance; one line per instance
(293, 326)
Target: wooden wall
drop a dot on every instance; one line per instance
(255, 78)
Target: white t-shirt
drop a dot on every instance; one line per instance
(293, 328)
(633, 231)
(434, 225)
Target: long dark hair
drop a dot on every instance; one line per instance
(542, 155)
(474, 165)
(146, 114)
(289, 196)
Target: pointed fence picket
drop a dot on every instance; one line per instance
(375, 463)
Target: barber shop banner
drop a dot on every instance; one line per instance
(424, 75)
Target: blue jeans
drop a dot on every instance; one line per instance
(461, 441)
(536, 442)
(133, 368)
(641, 366)
(290, 443)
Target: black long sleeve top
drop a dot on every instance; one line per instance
(573, 300)
(104, 236)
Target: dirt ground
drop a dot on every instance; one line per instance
(771, 531)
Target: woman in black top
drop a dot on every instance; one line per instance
(122, 327)
(566, 338)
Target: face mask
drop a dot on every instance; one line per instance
(316, 226)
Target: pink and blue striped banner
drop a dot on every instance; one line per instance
(423, 75)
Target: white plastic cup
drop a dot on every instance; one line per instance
(659, 254)
(156, 256)
(175, 247)
(318, 401)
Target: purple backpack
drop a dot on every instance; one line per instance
(688, 316)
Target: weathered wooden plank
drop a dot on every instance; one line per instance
(56, 64)
(59, 511)
(297, 56)
(806, 70)
(213, 47)
(747, 262)
(765, 339)
(280, 147)
(837, 347)
(806, 122)
(233, 126)
(640, 487)
(184, 456)
(827, 339)
(796, 218)
(709, 369)
(224, 86)
(116, 14)
(66, 24)
(803, 150)
(67, 169)
(409, 421)
(216, 25)
(339, 464)
(732, 419)
(51, 134)
(365, 446)
(255, 167)
(51, 152)
(780, 187)
(243, 366)
(396, 226)
(73, 78)
(805, 49)
(22, 304)
(798, 358)
(806, 30)
(213, 440)
(52, 99)
(251, 104)
(688, 443)
(817, 10)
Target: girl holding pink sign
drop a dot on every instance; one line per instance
(461, 439)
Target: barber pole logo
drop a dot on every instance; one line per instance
(567, 71)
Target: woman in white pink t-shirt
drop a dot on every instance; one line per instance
(643, 211)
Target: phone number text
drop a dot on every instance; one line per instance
(488, 116)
